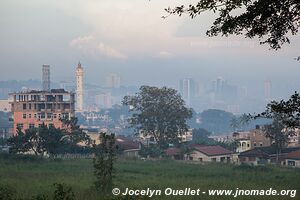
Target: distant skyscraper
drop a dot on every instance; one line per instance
(113, 81)
(79, 88)
(187, 90)
(46, 77)
(268, 87)
(104, 100)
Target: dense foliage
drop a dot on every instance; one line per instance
(285, 116)
(272, 20)
(105, 155)
(50, 140)
(158, 112)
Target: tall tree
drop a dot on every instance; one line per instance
(159, 112)
(235, 123)
(73, 131)
(285, 117)
(103, 161)
(278, 135)
(272, 20)
(287, 112)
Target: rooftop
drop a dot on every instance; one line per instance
(267, 151)
(57, 91)
(295, 155)
(212, 150)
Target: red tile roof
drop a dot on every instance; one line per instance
(294, 155)
(126, 143)
(172, 151)
(212, 150)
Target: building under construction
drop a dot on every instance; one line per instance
(34, 108)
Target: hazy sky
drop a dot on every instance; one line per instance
(129, 37)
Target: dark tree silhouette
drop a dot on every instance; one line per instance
(159, 112)
(105, 154)
(270, 20)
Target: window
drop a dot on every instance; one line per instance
(43, 115)
(24, 116)
(20, 126)
(222, 159)
(252, 159)
(24, 106)
(291, 163)
(254, 144)
(31, 126)
(29, 105)
(54, 115)
(214, 159)
(261, 144)
(29, 115)
(248, 145)
(242, 159)
(49, 115)
(40, 125)
(51, 125)
(200, 159)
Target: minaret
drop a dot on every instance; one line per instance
(79, 88)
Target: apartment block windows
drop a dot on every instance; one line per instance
(19, 125)
(31, 126)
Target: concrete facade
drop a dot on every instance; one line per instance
(31, 109)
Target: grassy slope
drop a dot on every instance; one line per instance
(35, 177)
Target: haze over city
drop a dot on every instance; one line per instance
(149, 99)
(131, 39)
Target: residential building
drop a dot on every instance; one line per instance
(222, 138)
(174, 153)
(294, 141)
(33, 108)
(104, 100)
(187, 90)
(210, 154)
(292, 159)
(264, 155)
(4, 105)
(251, 139)
(113, 81)
(128, 146)
(268, 87)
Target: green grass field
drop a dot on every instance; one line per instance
(32, 177)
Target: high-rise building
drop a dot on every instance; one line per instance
(104, 100)
(113, 81)
(34, 108)
(187, 90)
(46, 77)
(79, 88)
(268, 87)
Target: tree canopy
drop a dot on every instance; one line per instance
(286, 112)
(285, 116)
(269, 20)
(49, 140)
(158, 112)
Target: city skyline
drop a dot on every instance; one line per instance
(151, 51)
